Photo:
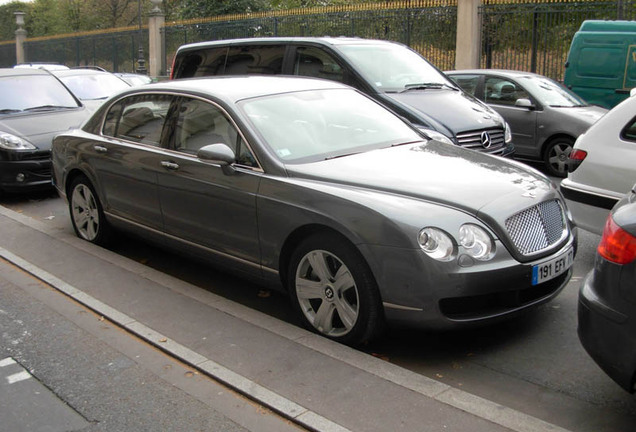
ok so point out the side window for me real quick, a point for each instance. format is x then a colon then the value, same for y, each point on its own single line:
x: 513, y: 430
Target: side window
x: 200, y: 123
x: 138, y: 118
x: 314, y: 62
x: 629, y: 133
x: 468, y: 83
x: 263, y: 60
x: 503, y: 92
x: 203, y: 62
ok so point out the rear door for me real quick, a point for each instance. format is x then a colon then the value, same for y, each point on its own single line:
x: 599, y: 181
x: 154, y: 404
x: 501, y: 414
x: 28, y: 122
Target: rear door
x: 127, y: 160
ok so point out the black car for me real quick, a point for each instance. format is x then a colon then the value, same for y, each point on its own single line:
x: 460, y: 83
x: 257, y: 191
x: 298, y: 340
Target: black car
x: 607, y: 300
x: 34, y: 107
x: 391, y: 73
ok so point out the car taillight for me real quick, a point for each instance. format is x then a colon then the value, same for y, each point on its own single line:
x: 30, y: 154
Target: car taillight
x: 574, y: 160
x: 617, y: 245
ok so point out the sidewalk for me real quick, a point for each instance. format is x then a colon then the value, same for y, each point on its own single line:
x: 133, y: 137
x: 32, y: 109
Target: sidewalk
x: 318, y: 384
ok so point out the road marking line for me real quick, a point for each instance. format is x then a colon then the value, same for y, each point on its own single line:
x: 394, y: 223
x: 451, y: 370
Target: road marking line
x: 7, y: 362
x: 20, y: 376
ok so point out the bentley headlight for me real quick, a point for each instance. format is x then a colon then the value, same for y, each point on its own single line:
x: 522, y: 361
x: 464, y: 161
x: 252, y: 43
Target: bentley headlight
x: 11, y: 142
x: 507, y: 133
x: 476, y: 241
x: 436, y: 243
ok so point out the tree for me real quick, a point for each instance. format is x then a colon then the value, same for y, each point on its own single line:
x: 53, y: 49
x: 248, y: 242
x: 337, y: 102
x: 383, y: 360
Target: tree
x: 210, y: 8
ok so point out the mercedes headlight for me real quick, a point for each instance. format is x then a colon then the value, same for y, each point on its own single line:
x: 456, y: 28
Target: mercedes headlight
x: 507, y: 133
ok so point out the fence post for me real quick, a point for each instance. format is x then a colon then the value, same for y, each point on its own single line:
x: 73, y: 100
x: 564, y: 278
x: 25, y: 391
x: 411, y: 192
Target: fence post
x: 156, y: 20
x: 467, y: 45
x: 20, y: 38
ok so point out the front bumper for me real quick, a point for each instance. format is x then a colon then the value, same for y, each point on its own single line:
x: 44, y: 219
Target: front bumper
x: 25, y: 175
x: 420, y: 292
x: 606, y: 334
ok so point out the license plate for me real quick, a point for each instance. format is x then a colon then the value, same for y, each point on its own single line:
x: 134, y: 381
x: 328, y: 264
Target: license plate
x: 553, y: 268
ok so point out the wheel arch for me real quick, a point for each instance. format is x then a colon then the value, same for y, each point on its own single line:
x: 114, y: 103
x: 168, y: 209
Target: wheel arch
x: 552, y: 138
x: 297, y: 236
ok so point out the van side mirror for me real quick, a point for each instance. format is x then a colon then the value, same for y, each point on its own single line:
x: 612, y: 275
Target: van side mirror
x: 524, y: 103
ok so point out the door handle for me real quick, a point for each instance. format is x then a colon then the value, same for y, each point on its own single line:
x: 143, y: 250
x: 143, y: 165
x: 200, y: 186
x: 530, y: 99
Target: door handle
x: 169, y: 165
x: 100, y: 149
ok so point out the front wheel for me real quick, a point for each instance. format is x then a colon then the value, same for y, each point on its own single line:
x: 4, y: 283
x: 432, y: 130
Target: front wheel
x: 333, y: 290
x: 556, y: 156
x: 86, y: 211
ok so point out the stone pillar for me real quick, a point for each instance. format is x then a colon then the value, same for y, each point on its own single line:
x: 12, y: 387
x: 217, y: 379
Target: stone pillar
x: 156, y: 20
x: 468, y: 44
x: 20, y: 38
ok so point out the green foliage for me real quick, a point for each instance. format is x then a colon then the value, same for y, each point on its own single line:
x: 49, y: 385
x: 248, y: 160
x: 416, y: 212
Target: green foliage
x: 7, y: 19
x: 210, y: 8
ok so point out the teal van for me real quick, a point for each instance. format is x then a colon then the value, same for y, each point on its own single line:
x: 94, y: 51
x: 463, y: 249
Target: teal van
x: 601, y: 65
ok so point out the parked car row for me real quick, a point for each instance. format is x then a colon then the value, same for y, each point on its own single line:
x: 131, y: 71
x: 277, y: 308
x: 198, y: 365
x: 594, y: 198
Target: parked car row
x: 372, y: 195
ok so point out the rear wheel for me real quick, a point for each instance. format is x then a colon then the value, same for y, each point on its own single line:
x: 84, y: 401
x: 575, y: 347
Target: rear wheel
x: 87, y: 214
x: 556, y: 156
x: 333, y: 290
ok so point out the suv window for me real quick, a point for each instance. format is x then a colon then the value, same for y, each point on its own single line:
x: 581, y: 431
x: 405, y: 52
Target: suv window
x: 138, y: 118
x: 314, y: 62
x: 204, y: 62
x: 254, y: 59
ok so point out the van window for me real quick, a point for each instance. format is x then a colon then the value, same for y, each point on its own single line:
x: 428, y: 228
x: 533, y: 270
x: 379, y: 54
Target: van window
x: 204, y: 62
x: 314, y: 62
x: 503, y: 92
x: 255, y: 59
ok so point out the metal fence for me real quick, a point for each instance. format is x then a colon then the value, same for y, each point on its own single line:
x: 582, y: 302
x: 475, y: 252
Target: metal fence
x: 536, y: 36
x: 529, y: 35
x: 427, y: 26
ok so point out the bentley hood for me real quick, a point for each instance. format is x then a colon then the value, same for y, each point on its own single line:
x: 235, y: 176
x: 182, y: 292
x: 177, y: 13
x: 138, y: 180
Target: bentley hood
x: 488, y: 187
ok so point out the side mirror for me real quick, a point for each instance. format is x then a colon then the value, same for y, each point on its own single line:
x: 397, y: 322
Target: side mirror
x: 219, y: 154
x: 524, y: 103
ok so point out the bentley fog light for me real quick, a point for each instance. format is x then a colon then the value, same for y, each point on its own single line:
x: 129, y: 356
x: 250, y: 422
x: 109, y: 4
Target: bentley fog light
x: 436, y: 243
x: 12, y: 142
x: 476, y: 241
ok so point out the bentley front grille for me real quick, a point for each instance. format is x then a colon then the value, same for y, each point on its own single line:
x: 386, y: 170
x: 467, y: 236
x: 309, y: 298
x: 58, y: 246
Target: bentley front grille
x: 537, y: 228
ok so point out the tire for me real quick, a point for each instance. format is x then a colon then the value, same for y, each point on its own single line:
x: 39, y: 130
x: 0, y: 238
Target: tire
x: 87, y: 214
x: 556, y: 156
x: 333, y: 290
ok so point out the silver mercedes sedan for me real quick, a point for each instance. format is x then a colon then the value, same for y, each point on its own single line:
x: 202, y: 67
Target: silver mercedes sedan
x: 313, y: 188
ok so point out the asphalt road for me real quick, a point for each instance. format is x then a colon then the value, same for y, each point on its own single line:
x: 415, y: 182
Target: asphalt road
x: 534, y: 364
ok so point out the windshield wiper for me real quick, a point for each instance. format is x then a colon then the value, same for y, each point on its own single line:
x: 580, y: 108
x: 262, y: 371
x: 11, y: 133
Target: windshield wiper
x: 425, y: 86
x: 47, y: 107
x: 9, y: 110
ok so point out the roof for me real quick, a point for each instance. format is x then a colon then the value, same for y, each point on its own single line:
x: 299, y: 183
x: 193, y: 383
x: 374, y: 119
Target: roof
x: 7, y: 72
x: 502, y: 72
x: 326, y: 40
x: 234, y: 88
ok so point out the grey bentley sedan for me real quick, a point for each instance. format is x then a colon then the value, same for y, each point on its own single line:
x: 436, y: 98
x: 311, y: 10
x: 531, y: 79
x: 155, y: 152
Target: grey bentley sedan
x: 315, y: 189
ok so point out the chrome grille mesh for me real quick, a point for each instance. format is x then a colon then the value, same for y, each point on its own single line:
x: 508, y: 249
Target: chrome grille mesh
x: 537, y: 228
x: 473, y: 140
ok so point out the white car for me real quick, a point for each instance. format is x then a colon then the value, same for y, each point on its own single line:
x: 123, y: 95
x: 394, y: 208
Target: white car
x: 602, y: 167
